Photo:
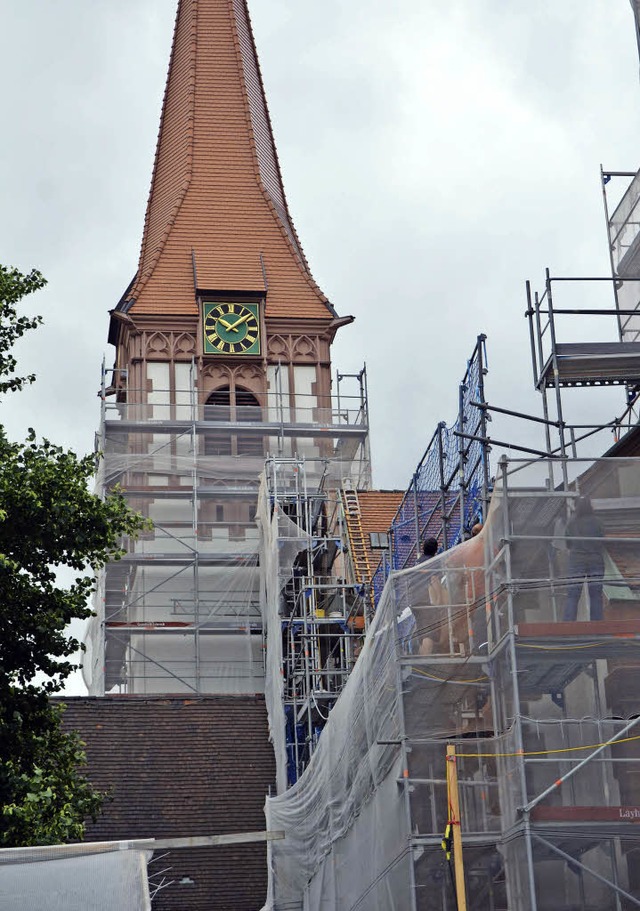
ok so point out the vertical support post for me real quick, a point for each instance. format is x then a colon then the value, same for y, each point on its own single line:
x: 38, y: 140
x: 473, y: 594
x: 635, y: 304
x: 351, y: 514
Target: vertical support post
x: 542, y: 386
x: 482, y: 369
x: 280, y: 408
x: 529, y: 314
x: 545, y: 403
x: 443, y: 492
x: 312, y: 653
x: 405, y: 743
x: 539, y: 332
x: 537, y: 364
x: 193, y: 391
x: 195, y: 513
x: 454, y: 814
x: 556, y: 382
x: 610, y: 248
x: 462, y: 456
x: 365, y: 452
x: 103, y: 406
x: 416, y: 515
x: 572, y: 440
x: 517, y: 716
x: 102, y: 491
x: 362, y: 379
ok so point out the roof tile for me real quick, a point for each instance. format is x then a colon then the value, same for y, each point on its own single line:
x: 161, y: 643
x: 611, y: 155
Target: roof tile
x: 377, y: 509
x: 178, y: 766
x: 216, y: 188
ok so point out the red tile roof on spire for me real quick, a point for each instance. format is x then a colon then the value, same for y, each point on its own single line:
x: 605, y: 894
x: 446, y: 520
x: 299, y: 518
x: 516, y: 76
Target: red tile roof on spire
x: 216, y: 188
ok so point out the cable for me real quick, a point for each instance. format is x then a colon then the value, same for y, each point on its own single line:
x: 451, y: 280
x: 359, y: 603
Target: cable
x: 588, y: 746
x: 461, y: 680
x: 563, y: 648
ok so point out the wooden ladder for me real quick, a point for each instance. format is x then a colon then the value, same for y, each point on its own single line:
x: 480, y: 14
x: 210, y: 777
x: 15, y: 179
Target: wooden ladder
x: 353, y: 519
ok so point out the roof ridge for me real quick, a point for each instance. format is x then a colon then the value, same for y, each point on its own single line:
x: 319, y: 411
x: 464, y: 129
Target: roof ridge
x: 143, y: 275
x: 216, y: 189
x: 286, y: 225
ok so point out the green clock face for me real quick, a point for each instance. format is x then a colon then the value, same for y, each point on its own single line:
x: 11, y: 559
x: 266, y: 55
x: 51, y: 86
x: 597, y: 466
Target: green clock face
x: 231, y: 329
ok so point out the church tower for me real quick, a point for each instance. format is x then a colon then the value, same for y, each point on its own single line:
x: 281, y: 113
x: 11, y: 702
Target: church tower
x: 222, y: 344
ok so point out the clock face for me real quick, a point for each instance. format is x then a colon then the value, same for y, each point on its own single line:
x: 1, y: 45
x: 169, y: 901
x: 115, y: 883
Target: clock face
x: 231, y: 329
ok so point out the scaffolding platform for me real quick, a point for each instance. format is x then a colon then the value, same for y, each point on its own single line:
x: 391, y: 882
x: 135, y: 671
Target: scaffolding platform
x: 180, y: 559
x: 258, y: 428
x: 588, y: 816
x: 592, y: 364
x: 602, y: 633
x: 180, y: 610
x: 541, y: 714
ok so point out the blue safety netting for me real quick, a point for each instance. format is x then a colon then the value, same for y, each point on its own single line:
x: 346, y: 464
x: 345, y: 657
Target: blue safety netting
x: 449, y: 489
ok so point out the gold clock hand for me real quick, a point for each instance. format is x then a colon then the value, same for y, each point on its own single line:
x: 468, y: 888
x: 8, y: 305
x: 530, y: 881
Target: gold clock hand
x: 239, y: 322
x: 227, y: 325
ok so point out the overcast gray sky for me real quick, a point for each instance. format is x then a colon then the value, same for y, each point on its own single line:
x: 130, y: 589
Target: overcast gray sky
x: 435, y: 155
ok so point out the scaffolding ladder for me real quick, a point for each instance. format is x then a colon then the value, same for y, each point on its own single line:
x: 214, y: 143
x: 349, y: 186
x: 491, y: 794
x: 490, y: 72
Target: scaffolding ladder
x: 357, y: 544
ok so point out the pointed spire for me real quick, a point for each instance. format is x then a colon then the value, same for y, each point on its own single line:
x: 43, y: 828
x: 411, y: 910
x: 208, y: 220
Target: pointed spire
x: 217, y: 214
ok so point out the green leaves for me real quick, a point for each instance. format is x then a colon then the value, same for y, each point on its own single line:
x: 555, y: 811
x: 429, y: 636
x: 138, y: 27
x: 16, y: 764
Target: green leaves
x: 54, y: 535
x: 13, y: 287
x: 47, y: 801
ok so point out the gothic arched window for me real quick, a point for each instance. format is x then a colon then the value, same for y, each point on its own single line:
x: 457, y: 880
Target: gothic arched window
x: 237, y: 406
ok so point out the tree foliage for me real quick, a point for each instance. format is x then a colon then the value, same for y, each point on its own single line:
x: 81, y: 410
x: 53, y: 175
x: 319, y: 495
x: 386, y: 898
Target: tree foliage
x: 47, y: 799
x: 49, y: 521
x: 13, y: 287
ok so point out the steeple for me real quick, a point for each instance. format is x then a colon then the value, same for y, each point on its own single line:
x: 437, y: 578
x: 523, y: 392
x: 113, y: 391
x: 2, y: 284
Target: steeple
x: 217, y: 218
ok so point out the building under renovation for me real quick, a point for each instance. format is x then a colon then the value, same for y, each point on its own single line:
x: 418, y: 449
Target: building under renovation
x: 278, y: 631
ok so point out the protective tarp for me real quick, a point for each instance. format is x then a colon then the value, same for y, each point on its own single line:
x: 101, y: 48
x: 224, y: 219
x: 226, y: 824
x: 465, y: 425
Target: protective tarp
x: 520, y: 648
x: 624, y: 239
x: 80, y: 882
x: 329, y: 816
x: 180, y: 612
x: 281, y: 541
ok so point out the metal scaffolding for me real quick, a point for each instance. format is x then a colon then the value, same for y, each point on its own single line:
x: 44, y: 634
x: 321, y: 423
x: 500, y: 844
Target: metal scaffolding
x: 315, y: 607
x: 540, y: 706
x: 515, y: 653
x: 558, y: 364
x: 180, y: 612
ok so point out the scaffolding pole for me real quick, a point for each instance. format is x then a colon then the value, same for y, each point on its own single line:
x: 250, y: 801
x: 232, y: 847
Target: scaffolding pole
x: 455, y: 822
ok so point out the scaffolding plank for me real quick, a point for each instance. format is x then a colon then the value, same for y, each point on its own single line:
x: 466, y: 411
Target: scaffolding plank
x: 586, y: 814
x: 185, y: 492
x: 598, y: 363
x: 249, y: 560
x: 262, y: 428
x: 591, y: 629
x: 162, y: 628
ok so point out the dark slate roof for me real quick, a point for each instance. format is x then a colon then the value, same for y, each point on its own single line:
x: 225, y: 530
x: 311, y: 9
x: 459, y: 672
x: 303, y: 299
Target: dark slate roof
x: 628, y: 446
x: 183, y: 766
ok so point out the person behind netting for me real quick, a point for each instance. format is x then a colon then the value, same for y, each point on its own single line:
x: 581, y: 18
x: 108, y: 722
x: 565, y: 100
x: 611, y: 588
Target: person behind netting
x: 584, y: 533
x: 406, y: 619
x: 427, y: 640
x: 429, y: 549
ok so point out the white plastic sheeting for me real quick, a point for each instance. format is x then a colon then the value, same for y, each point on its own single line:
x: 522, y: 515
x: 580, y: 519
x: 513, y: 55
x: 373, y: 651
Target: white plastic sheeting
x: 499, y: 647
x: 333, y: 826
x: 40, y: 880
x: 180, y: 611
x: 281, y: 541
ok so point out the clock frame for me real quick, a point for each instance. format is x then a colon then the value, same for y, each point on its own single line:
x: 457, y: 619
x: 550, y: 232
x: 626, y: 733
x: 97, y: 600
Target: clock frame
x: 231, y: 329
